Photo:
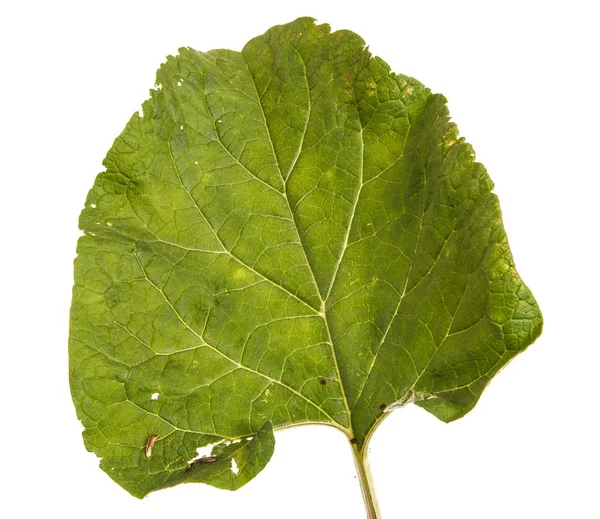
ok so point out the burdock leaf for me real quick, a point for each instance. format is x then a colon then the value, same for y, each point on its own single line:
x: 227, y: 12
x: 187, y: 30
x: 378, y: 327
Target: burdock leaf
x: 289, y: 234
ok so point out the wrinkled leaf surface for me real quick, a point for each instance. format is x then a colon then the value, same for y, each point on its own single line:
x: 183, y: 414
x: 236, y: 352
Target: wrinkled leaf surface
x: 289, y: 234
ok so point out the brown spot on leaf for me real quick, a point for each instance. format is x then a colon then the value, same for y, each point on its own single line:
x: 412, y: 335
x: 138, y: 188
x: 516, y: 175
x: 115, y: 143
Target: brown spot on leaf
x: 150, y: 444
x: 203, y: 459
x: 323, y: 382
x: 353, y: 441
x: 382, y: 406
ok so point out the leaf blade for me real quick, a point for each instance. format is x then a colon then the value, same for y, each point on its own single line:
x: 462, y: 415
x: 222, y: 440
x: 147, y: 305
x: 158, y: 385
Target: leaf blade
x: 290, y: 234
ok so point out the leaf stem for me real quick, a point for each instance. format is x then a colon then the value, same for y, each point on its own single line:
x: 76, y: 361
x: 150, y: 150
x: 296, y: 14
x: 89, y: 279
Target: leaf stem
x: 366, y: 481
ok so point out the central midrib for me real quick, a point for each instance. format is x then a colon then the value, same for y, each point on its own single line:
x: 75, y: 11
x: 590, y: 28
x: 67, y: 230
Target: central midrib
x: 322, y: 313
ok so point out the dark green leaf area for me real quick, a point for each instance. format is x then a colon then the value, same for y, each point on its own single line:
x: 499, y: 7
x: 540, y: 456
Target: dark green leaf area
x: 288, y: 234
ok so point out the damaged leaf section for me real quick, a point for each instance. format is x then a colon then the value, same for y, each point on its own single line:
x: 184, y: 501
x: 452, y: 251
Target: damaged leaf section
x: 405, y: 400
x: 231, y: 464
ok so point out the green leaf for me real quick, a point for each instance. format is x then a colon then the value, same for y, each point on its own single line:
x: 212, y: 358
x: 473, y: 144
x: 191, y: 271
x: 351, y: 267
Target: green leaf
x: 289, y: 234
x: 249, y: 455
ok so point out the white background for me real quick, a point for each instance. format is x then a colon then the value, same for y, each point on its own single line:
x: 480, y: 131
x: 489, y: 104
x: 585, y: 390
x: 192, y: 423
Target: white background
x: 522, y: 83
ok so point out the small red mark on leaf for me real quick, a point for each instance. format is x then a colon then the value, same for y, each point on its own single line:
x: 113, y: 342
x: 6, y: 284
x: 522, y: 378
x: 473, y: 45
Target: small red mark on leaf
x: 203, y: 459
x: 353, y: 441
x: 150, y: 444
